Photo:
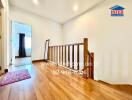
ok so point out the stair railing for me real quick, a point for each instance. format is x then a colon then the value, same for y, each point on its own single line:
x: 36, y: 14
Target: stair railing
x: 61, y: 55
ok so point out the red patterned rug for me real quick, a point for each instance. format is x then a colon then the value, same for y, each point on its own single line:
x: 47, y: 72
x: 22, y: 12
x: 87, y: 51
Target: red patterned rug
x: 15, y: 76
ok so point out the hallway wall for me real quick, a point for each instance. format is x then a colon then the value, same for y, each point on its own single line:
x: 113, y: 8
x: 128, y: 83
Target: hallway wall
x: 5, y: 33
x: 0, y: 39
x: 42, y: 29
x: 109, y: 37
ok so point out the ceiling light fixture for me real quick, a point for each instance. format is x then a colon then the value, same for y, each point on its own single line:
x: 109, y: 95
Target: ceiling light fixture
x: 36, y: 2
x: 75, y: 7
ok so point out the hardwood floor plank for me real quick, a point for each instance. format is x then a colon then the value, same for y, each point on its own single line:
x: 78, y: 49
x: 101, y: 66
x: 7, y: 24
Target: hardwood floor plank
x: 49, y: 82
x: 14, y: 92
x: 4, y: 92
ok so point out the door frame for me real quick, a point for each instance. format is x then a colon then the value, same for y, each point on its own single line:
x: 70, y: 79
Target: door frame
x: 11, y: 38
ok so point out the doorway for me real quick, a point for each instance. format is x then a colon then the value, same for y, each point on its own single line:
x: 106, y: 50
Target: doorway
x: 21, y: 44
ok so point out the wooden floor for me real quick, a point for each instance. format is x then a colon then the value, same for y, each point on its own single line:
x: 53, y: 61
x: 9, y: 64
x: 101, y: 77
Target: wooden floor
x: 55, y: 83
x: 121, y: 87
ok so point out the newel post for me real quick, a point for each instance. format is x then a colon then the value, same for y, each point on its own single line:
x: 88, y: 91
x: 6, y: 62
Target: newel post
x: 85, y: 69
x: 92, y: 66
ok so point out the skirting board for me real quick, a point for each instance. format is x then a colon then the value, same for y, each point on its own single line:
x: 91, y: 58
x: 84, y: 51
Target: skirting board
x: 38, y: 60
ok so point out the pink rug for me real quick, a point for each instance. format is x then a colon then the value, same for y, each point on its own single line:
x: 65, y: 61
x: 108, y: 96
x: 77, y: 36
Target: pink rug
x: 15, y: 76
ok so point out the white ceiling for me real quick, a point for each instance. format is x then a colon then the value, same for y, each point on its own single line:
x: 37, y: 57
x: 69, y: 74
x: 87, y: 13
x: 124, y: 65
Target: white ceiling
x: 57, y: 10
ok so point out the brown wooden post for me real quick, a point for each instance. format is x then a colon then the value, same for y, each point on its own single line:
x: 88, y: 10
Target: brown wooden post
x: 65, y: 55
x: 91, y: 67
x: 78, y: 57
x: 72, y: 56
x: 55, y: 54
x: 51, y: 53
x: 62, y: 55
x: 85, y: 69
x: 59, y: 54
x: 68, y: 56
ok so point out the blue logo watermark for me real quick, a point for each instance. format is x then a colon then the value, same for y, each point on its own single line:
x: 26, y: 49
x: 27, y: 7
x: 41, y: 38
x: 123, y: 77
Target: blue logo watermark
x: 117, y: 10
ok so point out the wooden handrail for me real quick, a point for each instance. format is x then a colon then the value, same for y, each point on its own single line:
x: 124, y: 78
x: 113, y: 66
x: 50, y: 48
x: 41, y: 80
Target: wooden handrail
x: 90, y: 54
x: 67, y: 45
x: 62, y: 55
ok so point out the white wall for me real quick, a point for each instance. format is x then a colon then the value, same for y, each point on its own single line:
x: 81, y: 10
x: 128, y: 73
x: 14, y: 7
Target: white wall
x: 0, y: 40
x: 42, y: 29
x: 110, y: 39
x: 5, y: 33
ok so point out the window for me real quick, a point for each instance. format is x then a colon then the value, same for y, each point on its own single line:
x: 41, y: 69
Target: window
x: 28, y: 42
